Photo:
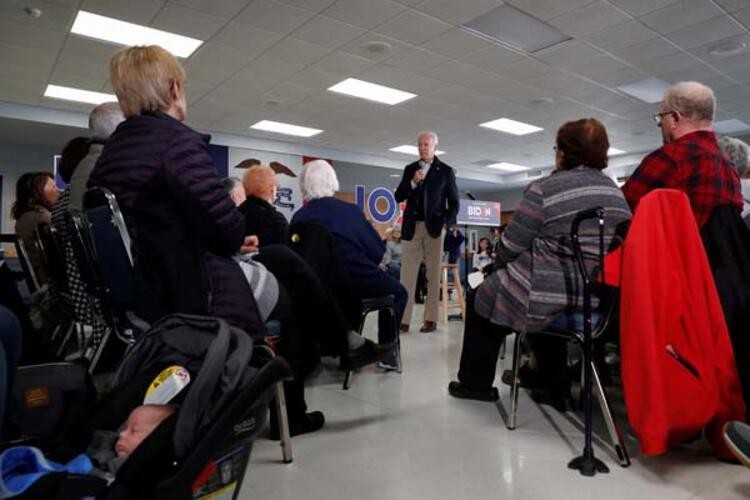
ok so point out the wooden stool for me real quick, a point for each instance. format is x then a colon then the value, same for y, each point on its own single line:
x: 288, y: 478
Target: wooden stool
x: 447, y: 303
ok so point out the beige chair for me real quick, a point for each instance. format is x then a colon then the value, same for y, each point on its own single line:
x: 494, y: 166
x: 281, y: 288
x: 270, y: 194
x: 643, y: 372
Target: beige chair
x: 458, y: 301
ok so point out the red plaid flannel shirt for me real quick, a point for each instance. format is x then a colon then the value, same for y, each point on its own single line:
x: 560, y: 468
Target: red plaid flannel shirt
x: 693, y: 164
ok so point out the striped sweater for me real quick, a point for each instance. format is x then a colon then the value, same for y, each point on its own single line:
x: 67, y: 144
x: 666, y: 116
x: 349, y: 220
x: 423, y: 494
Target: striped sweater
x: 537, y: 276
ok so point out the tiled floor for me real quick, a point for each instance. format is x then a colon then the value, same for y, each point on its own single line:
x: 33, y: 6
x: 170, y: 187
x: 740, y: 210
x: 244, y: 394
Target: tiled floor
x: 396, y: 437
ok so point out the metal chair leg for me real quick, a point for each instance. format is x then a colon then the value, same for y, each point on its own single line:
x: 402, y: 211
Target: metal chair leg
x: 612, y: 428
x: 515, y: 387
x: 347, y: 380
x: 281, y: 415
x: 503, y: 347
x: 66, y: 338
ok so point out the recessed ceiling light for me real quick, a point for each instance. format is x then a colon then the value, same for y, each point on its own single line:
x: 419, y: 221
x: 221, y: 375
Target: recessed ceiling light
x: 78, y: 95
x: 513, y: 27
x: 285, y: 128
x: 614, y: 152
x: 730, y: 126
x: 511, y: 126
x: 378, y: 48
x: 411, y: 150
x: 650, y: 90
x: 508, y: 167
x: 371, y: 91
x: 124, y: 33
x: 730, y: 48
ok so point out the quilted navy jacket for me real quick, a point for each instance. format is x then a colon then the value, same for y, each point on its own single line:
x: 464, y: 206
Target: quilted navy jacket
x: 183, y: 225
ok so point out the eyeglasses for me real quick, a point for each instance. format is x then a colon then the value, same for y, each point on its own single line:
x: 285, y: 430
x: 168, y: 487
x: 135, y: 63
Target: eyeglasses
x: 659, y: 116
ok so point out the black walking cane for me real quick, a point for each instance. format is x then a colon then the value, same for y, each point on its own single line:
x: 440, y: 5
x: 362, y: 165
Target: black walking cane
x: 587, y: 464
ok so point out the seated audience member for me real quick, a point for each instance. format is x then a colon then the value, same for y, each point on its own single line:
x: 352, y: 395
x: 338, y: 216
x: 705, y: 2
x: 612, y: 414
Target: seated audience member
x: 35, y: 194
x: 357, y: 242
x: 261, y: 218
x: 483, y: 257
x: 512, y: 299
x: 103, y: 120
x: 233, y: 186
x: 392, y: 258
x: 690, y: 159
x: 737, y: 151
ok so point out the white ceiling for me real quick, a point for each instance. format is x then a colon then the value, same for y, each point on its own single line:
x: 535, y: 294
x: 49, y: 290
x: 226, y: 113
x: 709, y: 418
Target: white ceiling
x: 274, y: 59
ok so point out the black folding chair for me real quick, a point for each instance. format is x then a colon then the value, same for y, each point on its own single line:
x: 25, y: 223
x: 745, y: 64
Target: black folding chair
x: 53, y: 257
x: 575, y: 332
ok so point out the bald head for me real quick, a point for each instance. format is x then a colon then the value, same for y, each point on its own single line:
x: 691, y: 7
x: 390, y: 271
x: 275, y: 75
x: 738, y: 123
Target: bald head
x: 104, y: 119
x: 692, y: 100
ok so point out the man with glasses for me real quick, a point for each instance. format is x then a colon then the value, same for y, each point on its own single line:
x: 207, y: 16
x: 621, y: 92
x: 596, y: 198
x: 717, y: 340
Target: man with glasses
x: 690, y: 159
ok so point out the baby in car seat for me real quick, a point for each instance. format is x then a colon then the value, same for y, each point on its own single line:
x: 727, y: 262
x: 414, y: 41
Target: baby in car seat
x: 141, y: 422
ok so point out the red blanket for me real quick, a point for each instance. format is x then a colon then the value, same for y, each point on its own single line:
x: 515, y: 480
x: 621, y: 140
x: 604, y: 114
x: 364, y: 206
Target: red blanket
x: 678, y: 369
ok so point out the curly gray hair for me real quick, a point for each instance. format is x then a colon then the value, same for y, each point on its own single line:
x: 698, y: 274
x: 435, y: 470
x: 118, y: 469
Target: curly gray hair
x: 737, y: 151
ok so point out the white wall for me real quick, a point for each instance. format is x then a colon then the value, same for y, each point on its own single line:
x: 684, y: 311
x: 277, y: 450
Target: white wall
x: 16, y: 159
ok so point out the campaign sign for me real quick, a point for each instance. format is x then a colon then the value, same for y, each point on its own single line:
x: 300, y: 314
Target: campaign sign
x: 478, y: 213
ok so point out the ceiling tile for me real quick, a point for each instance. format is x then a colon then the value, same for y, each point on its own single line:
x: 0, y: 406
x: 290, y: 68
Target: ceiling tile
x: 743, y: 16
x: 526, y: 69
x: 273, y: 16
x: 311, y: 5
x: 455, y: 43
x: 680, y: 15
x: 674, y: 62
x: 401, y: 79
x: 621, y: 77
x: 588, y: 19
x: 54, y: 17
x: 313, y: 77
x: 493, y: 58
x: 413, y: 27
x: 84, y: 57
x: 68, y: 79
x: 620, y: 36
x: 296, y: 51
x: 646, y: 51
x: 287, y: 94
x: 328, y: 32
x: 28, y: 35
x: 569, y: 54
x: 364, y: 13
x: 239, y: 36
x: 188, y: 22
x: 343, y: 63
x: 221, y: 8
x: 641, y: 7
x: 135, y: 11
x: 362, y: 46
x: 213, y: 63
x: 416, y: 60
x: 547, y: 9
x: 732, y: 5
x: 716, y: 29
x: 21, y: 91
x: 454, y: 12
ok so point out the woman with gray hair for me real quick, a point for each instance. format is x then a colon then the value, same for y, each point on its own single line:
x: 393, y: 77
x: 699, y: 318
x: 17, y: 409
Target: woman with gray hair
x: 358, y: 245
x: 737, y: 151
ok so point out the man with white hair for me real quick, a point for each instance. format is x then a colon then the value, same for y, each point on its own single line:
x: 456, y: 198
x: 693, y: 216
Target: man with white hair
x: 103, y: 120
x: 690, y: 159
x: 429, y: 188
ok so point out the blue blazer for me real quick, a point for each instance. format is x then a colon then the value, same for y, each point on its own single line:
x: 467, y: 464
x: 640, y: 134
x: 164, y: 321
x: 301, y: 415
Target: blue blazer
x: 357, y: 242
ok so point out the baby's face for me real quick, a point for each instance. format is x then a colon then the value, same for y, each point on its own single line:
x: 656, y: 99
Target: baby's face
x: 141, y: 422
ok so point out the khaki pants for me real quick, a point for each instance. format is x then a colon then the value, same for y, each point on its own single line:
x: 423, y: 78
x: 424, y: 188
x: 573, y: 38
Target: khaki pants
x: 422, y: 247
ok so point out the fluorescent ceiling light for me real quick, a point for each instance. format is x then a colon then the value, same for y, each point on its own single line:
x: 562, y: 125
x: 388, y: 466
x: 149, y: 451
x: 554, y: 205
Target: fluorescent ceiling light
x: 411, y: 150
x: 511, y: 126
x: 730, y: 126
x: 615, y: 152
x: 285, y: 128
x: 508, y: 167
x: 515, y: 28
x: 124, y: 33
x: 395, y: 175
x: 78, y: 95
x: 371, y: 91
x: 650, y: 90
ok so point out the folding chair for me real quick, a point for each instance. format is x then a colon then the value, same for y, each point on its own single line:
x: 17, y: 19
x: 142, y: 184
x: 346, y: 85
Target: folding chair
x: 572, y: 330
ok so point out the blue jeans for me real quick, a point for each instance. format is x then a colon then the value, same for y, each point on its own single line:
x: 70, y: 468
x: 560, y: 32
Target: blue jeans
x: 10, y: 352
x: 394, y: 270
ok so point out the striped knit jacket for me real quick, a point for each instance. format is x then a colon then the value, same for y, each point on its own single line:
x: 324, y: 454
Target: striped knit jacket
x: 537, y: 276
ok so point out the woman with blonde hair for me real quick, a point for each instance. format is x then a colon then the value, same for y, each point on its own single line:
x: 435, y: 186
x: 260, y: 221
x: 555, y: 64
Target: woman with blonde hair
x: 261, y: 217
